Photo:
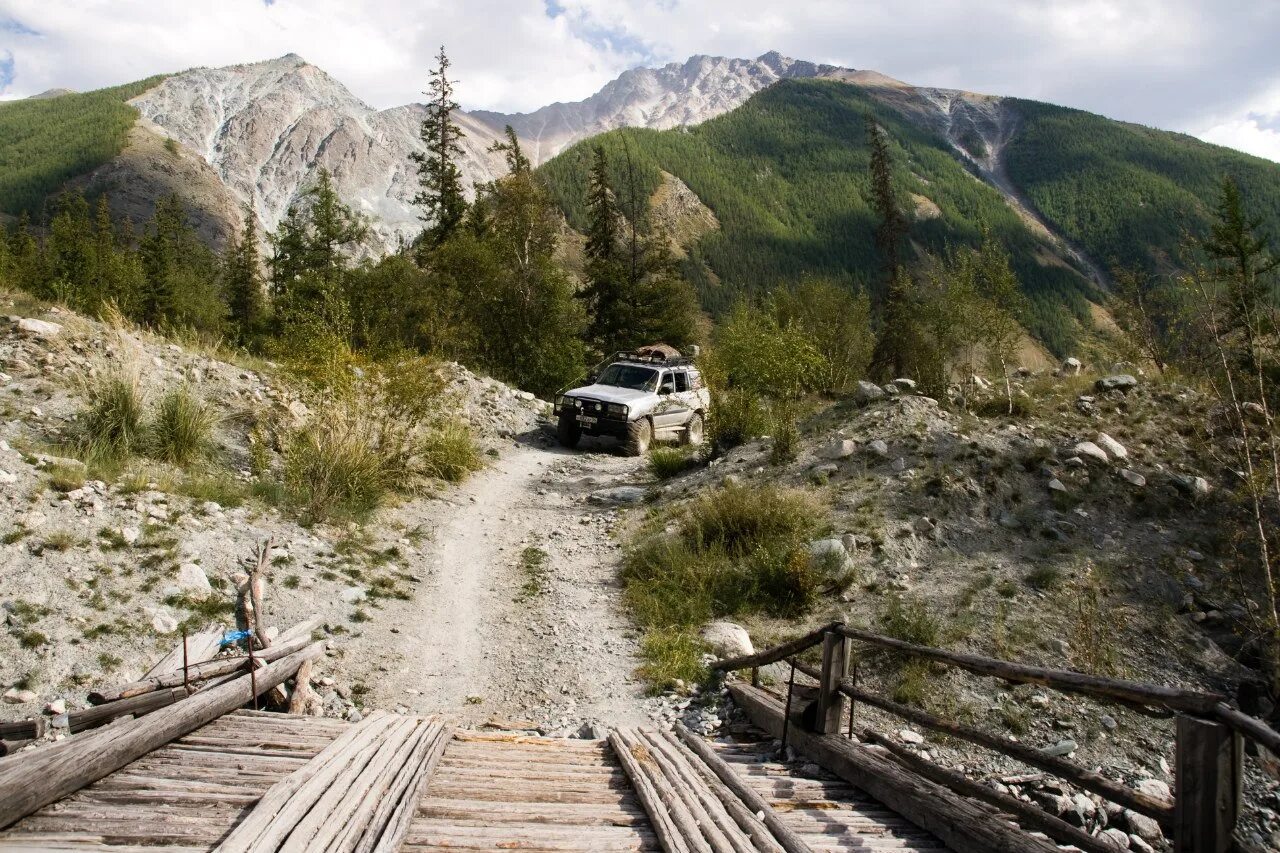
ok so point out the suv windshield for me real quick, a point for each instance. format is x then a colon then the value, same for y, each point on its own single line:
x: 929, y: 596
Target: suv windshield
x: 629, y: 376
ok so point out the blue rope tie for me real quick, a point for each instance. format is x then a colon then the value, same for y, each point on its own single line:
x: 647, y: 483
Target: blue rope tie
x: 234, y: 637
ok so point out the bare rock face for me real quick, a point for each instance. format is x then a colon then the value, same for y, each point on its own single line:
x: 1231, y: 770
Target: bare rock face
x: 267, y: 128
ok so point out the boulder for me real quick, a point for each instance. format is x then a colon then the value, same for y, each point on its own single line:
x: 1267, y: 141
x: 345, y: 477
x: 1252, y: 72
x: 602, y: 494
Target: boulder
x: 1142, y: 826
x: 908, y: 736
x: 14, y: 696
x: 904, y: 384
x: 193, y: 581
x: 618, y: 495
x: 1072, y: 366
x: 727, y: 639
x: 842, y: 449
x: 1091, y: 452
x: 878, y: 448
x: 39, y: 328
x: 867, y: 392
x: 1118, y: 837
x: 164, y: 623
x: 353, y: 594
x: 1117, y: 382
x: 831, y: 554
x: 1061, y: 748
x: 1114, y: 449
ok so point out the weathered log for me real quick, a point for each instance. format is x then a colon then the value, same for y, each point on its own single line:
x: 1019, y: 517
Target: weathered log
x: 78, y: 721
x: 1250, y: 727
x: 289, y: 800
x: 775, y: 654
x: 1173, y: 698
x: 1117, y: 792
x: 305, y: 701
x: 791, y: 842
x: 663, y: 825
x: 684, y: 820
x: 686, y: 765
x: 199, y: 672
x: 1027, y: 814
x: 34, y: 779
x: 396, y: 812
x: 957, y: 822
x: 257, y: 578
x: 696, y: 799
x: 200, y: 647
x: 24, y: 729
x: 9, y: 747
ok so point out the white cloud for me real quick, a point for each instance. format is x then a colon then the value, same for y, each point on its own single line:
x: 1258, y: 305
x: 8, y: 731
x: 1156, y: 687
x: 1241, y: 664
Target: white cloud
x: 1168, y: 63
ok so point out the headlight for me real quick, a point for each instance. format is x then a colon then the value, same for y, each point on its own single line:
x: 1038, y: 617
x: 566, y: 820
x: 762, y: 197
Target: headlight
x: 560, y: 400
x: 577, y: 402
x: 618, y: 409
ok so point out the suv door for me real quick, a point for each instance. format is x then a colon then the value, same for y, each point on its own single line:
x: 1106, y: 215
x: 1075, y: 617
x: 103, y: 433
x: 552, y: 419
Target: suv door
x: 668, y: 412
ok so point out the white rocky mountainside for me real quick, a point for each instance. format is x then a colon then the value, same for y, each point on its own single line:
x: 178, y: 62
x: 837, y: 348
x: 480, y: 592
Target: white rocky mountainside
x: 267, y: 127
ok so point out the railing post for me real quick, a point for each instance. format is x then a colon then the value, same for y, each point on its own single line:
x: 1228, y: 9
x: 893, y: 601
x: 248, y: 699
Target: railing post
x: 1208, y: 781
x: 835, y: 667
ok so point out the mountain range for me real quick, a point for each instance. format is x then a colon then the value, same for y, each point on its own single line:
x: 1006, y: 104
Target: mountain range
x: 764, y: 158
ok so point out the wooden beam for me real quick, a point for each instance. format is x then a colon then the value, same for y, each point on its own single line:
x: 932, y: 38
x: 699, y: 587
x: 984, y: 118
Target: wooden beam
x: 78, y: 721
x: 835, y: 668
x: 1250, y: 727
x: 791, y: 842
x: 1027, y: 814
x: 776, y: 653
x: 200, y: 647
x: 1208, y: 785
x: 957, y: 822
x: 33, y: 779
x: 24, y: 729
x: 1059, y: 679
x: 663, y: 825
x: 1117, y: 792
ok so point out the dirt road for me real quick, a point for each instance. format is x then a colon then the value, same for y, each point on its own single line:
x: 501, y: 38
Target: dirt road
x: 498, y: 631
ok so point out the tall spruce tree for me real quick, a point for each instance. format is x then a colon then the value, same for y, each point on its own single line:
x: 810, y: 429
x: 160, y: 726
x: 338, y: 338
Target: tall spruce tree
x: 441, y: 194
x: 242, y: 273
x: 891, y: 356
x: 603, y: 294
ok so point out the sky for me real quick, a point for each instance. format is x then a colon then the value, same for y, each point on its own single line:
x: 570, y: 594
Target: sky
x: 1210, y: 68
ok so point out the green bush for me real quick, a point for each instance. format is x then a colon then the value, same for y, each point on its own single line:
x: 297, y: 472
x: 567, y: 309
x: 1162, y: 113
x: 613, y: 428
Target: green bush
x: 113, y: 424
x: 182, y: 430
x: 738, y: 551
x: 668, y: 462
x: 737, y: 416
x: 333, y: 469
x: 449, y: 453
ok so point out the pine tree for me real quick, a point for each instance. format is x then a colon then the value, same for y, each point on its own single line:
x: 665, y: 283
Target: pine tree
x: 603, y: 293
x: 441, y: 195
x: 333, y: 226
x: 288, y: 259
x: 891, y: 357
x: 69, y: 254
x: 243, y: 279
x: 517, y: 162
x: 1240, y: 254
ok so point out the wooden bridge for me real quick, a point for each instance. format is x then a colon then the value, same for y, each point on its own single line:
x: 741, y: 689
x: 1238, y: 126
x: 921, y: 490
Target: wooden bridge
x: 203, y: 773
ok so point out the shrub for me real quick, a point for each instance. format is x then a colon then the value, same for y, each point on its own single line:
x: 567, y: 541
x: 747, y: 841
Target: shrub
x: 668, y: 462
x: 333, y: 468
x: 112, y: 426
x: 737, y: 416
x: 1044, y: 577
x: 449, y: 453
x: 66, y: 478
x: 786, y: 437
x: 740, y: 519
x: 671, y: 655
x: 909, y: 619
x: 183, y: 427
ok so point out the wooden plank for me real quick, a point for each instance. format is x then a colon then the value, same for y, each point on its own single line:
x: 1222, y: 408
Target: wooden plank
x: 396, y: 812
x: 1209, y: 776
x: 1117, y: 792
x: 32, y: 729
x: 100, y: 715
x: 664, y: 824
x: 1068, y: 681
x: 783, y: 834
x: 955, y: 821
x: 835, y: 668
x: 36, y: 778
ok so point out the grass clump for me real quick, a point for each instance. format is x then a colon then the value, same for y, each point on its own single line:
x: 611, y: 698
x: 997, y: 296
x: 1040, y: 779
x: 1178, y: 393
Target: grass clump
x: 113, y: 425
x: 668, y: 462
x: 533, y: 565
x: 671, y: 655
x: 66, y: 478
x: 182, y: 429
x: 449, y: 453
x: 334, y: 469
x: 738, y: 551
x: 1044, y: 578
x: 31, y: 639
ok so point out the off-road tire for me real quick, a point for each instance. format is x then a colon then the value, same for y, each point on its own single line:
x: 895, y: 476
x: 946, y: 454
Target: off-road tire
x: 695, y: 431
x: 639, y: 437
x: 568, y: 431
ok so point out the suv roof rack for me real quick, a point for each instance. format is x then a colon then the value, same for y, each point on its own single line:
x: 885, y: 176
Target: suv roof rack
x: 650, y: 357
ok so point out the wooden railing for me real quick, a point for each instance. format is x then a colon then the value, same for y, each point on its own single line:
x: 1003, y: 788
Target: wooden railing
x: 1209, y: 736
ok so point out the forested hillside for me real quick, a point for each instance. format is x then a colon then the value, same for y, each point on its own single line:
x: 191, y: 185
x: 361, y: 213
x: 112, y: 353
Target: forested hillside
x: 47, y: 141
x: 1129, y: 194
x: 787, y: 176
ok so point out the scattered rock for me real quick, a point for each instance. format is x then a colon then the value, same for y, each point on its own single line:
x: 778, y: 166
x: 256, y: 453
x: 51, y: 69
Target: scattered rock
x: 14, y: 696
x: 164, y: 623
x: 1056, y: 485
x: 1145, y: 828
x: 908, y: 736
x: 1117, y: 382
x: 1072, y: 366
x: 1091, y: 452
x: 1114, y: 449
x: 618, y: 495
x: 878, y: 448
x: 57, y: 706
x: 1061, y: 748
x: 867, y: 392
x: 842, y: 449
x: 353, y: 594
x: 1133, y: 477
x: 904, y: 384
x: 193, y: 581
x: 39, y: 328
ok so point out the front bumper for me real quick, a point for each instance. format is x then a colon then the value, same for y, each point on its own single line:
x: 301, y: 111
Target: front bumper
x: 595, y: 419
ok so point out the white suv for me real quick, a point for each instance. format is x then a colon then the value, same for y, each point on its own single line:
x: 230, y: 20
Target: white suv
x: 639, y: 398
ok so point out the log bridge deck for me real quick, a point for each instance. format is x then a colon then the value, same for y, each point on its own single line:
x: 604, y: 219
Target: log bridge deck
x: 201, y: 773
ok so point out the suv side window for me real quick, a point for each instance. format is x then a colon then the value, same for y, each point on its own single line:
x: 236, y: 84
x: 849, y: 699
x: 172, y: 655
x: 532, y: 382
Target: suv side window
x: 682, y: 381
x: 666, y: 382
x: 695, y: 380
